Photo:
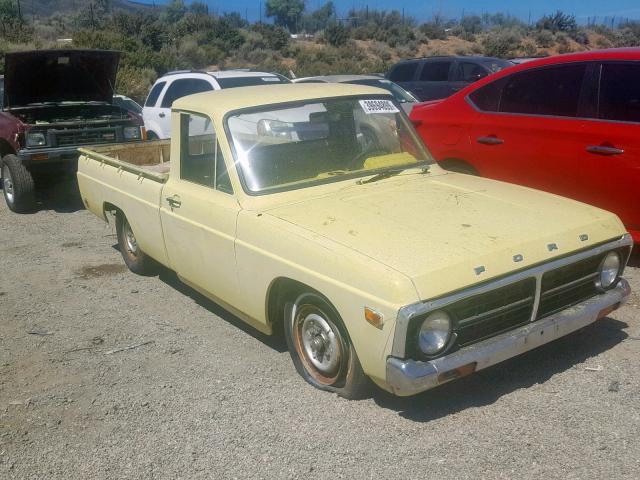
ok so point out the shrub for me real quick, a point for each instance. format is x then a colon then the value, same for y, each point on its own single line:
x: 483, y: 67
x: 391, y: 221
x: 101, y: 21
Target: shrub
x: 433, y: 31
x: 544, y: 39
x: 275, y: 38
x: 336, y: 35
x: 135, y: 82
x: 558, y: 22
x: 501, y: 43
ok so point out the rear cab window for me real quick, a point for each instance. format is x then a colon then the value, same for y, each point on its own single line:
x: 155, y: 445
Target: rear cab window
x: 403, y: 72
x: 152, y: 99
x: 201, y: 159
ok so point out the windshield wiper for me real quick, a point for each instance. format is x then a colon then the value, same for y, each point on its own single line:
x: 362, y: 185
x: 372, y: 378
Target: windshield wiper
x: 389, y: 173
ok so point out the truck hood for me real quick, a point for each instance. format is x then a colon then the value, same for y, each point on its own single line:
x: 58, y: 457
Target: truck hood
x: 449, y: 231
x: 59, y: 76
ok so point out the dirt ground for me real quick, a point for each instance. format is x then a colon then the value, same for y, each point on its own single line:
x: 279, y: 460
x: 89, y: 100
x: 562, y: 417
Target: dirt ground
x: 202, y: 396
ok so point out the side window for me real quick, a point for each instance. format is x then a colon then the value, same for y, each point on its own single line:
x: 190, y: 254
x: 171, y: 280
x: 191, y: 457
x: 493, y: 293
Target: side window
x: 201, y: 160
x: 183, y: 87
x: 152, y: 99
x: 620, y: 92
x: 470, y: 72
x: 403, y: 72
x: 546, y: 91
x: 435, y: 71
x: 487, y: 98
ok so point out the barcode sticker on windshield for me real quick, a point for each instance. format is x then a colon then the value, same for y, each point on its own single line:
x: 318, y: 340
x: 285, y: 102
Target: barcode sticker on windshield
x: 378, y: 106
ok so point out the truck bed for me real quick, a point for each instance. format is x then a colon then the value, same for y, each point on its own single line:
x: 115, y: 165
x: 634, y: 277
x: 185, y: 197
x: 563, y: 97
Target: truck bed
x: 140, y: 158
x: 128, y: 177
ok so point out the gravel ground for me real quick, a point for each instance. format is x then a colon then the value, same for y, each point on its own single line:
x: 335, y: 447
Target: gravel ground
x: 203, y: 396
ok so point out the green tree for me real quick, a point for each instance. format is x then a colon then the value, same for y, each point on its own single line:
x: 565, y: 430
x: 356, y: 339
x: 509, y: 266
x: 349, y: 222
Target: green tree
x: 286, y: 13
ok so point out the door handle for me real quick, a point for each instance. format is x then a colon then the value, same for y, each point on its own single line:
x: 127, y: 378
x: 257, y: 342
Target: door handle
x: 604, y: 150
x: 161, y: 115
x: 174, y: 202
x: 490, y: 140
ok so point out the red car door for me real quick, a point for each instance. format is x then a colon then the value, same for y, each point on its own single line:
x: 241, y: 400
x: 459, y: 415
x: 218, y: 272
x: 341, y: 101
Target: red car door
x: 528, y: 131
x: 611, y: 147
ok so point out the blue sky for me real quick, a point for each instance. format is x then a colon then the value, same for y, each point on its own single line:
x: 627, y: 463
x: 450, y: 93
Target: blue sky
x: 424, y: 9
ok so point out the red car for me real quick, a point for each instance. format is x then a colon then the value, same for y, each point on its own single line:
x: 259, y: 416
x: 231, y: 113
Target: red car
x: 568, y: 124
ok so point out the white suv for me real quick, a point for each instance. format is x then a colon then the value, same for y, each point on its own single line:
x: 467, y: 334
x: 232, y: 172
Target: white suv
x: 168, y: 88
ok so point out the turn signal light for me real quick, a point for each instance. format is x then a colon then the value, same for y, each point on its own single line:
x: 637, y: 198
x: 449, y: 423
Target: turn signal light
x: 40, y: 156
x: 459, y: 372
x: 373, y: 317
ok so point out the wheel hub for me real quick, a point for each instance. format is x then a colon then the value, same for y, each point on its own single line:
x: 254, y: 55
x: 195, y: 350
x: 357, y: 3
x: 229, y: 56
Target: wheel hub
x: 130, y: 239
x: 7, y: 184
x: 320, y: 344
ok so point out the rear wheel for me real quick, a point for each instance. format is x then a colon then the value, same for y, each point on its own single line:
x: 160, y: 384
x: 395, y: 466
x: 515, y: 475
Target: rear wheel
x: 17, y: 185
x: 321, y: 350
x: 135, y: 259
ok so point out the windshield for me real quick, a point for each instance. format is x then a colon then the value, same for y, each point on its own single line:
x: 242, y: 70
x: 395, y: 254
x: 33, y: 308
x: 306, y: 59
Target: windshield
x: 399, y: 93
x: 320, y: 141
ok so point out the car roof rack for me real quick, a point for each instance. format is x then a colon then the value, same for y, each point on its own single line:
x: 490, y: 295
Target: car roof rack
x: 178, y: 72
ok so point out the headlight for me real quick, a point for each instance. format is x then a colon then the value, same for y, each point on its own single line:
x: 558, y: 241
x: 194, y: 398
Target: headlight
x: 131, y: 133
x: 434, y: 333
x: 609, y: 270
x: 36, y: 139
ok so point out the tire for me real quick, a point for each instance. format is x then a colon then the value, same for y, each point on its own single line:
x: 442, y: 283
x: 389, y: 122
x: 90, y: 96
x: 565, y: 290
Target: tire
x: 17, y: 185
x: 151, y: 136
x: 135, y: 259
x: 321, y: 350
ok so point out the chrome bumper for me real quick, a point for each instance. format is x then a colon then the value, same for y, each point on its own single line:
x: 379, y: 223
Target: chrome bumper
x: 408, y: 377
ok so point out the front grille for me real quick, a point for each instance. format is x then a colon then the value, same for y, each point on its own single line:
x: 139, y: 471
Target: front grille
x: 499, y: 309
x: 491, y: 313
x: 71, y: 137
x: 568, y: 285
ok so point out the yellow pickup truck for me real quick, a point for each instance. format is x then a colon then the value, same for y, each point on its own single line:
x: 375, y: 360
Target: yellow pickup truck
x: 316, y: 211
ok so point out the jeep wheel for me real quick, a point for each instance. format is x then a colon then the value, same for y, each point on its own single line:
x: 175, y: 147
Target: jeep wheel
x: 135, y: 259
x: 321, y: 350
x: 17, y: 185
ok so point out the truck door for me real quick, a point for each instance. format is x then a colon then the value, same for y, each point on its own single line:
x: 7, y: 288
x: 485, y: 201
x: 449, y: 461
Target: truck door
x: 199, y: 210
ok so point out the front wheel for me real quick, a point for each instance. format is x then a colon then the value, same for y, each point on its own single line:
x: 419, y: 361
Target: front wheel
x: 17, y: 185
x: 321, y: 350
x: 135, y: 259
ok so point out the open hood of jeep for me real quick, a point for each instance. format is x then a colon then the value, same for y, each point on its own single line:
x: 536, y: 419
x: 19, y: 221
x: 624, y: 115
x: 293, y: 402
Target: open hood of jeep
x: 42, y: 76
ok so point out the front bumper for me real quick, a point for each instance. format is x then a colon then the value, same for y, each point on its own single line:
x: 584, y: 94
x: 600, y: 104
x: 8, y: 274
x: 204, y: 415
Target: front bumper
x: 37, y: 156
x: 408, y: 377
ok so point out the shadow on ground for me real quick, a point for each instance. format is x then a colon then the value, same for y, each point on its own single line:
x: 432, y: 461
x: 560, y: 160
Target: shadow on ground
x: 487, y: 386
x: 171, y: 279
x: 60, y: 194
x: 634, y: 260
